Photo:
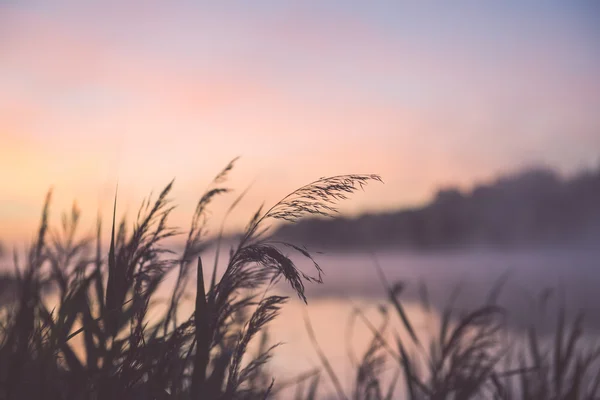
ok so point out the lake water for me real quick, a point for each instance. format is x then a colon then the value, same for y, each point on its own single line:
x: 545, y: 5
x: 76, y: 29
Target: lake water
x: 351, y: 281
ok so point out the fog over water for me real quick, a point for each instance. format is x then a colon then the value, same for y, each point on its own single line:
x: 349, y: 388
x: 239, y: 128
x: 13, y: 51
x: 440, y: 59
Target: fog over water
x: 351, y: 281
x: 573, y: 273
x: 528, y: 273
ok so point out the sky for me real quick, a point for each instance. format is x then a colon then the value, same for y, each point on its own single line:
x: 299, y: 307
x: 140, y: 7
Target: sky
x: 426, y: 94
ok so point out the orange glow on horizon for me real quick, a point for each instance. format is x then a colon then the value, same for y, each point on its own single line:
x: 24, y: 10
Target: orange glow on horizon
x: 94, y: 97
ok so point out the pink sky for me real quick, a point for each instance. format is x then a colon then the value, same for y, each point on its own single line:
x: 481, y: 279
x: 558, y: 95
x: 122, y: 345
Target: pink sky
x: 424, y: 96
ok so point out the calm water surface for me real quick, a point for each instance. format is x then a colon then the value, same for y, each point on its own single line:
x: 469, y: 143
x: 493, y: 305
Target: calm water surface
x: 351, y: 281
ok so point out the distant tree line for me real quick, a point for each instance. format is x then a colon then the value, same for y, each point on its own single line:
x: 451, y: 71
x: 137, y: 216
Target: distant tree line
x: 532, y: 207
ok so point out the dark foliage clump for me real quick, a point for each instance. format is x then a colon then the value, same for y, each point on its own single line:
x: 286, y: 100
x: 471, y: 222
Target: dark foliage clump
x: 534, y: 207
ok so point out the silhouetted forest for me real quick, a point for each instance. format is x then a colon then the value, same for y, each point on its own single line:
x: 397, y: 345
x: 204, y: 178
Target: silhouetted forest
x: 534, y: 207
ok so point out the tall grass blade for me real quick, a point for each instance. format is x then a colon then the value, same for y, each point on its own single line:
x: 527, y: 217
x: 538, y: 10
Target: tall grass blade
x: 202, y: 336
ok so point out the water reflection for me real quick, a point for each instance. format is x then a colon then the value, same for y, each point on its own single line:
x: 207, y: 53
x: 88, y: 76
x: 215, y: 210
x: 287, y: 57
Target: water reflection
x: 351, y: 283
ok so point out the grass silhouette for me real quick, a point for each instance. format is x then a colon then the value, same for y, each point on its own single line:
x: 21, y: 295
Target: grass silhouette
x: 104, y: 300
